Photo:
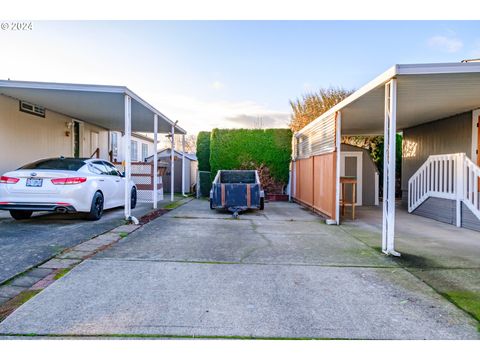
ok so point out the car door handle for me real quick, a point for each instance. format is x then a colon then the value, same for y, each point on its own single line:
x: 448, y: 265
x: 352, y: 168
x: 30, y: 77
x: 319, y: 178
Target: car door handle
x: 101, y: 180
x: 117, y: 180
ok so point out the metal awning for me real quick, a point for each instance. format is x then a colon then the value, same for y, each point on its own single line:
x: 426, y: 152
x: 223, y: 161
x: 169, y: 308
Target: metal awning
x: 425, y: 92
x: 100, y: 105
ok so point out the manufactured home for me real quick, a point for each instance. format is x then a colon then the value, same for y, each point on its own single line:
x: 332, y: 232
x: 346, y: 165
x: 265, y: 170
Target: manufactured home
x: 436, y: 107
x: 40, y: 120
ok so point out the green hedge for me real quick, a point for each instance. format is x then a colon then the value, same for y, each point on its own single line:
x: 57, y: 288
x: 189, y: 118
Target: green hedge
x: 203, y: 150
x: 205, y: 183
x: 233, y: 148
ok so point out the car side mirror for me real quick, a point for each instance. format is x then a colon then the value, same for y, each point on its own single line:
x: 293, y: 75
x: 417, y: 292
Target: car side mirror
x: 122, y: 174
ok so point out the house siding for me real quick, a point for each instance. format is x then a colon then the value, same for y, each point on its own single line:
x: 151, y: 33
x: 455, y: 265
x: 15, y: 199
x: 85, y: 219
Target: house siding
x: 25, y: 138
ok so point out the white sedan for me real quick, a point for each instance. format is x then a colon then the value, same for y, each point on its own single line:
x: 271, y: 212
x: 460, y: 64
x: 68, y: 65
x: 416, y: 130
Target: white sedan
x: 64, y: 185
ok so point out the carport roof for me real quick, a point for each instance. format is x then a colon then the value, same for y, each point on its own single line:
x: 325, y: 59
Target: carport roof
x: 425, y: 92
x: 101, y: 105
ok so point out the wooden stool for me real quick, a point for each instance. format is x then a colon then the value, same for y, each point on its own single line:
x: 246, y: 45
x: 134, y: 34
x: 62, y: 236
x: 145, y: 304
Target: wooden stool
x: 348, y: 180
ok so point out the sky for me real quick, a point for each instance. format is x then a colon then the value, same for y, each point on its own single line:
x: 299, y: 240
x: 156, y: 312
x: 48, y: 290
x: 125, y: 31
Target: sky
x: 227, y: 74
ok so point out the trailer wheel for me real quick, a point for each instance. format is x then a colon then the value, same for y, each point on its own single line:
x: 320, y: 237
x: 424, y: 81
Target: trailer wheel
x: 262, y: 203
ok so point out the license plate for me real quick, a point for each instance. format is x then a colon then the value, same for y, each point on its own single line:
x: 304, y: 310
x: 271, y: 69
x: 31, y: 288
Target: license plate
x: 34, y: 182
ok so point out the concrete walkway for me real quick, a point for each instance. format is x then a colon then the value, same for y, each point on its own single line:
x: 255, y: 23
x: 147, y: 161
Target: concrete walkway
x: 280, y: 273
x: 442, y: 255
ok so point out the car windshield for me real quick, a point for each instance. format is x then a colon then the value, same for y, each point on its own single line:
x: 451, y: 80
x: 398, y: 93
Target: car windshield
x: 55, y: 164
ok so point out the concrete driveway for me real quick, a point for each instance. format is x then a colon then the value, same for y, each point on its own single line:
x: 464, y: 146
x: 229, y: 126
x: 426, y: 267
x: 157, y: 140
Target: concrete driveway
x: 26, y: 243
x: 280, y: 273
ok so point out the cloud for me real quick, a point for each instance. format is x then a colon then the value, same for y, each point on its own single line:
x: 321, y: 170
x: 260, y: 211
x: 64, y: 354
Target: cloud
x: 272, y: 120
x: 217, y: 85
x: 446, y: 44
x: 195, y: 114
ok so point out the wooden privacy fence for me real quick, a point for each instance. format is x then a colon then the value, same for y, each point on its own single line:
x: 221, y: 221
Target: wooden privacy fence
x: 315, y: 166
x: 315, y: 183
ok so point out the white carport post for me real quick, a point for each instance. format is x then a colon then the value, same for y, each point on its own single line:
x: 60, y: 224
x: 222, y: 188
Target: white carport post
x: 338, y: 142
x: 127, y: 155
x: 172, y: 165
x: 155, y: 161
x: 183, y: 165
x: 389, y: 158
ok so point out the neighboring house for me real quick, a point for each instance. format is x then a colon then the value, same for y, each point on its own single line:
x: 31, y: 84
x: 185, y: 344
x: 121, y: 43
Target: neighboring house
x: 191, y: 169
x: 40, y: 120
x: 436, y: 106
x: 141, y: 147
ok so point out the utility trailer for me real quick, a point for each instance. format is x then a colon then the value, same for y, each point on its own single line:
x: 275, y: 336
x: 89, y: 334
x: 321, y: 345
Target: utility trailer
x: 236, y: 191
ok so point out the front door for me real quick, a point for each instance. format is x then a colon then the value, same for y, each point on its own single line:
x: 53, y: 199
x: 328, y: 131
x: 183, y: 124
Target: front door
x: 351, y: 165
x: 76, y: 139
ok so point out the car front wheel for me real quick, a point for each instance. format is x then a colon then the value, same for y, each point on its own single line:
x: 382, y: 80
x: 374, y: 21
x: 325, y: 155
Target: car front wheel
x: 21, y: 214
x: 96, y: 209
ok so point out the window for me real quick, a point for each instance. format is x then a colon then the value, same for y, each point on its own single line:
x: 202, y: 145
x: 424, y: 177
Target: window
x: 114, y: 144
x: 144, y: 151
x: 56, y: 164
x: 134, y: 150
x: 111, y: 169
x: 98, y: 167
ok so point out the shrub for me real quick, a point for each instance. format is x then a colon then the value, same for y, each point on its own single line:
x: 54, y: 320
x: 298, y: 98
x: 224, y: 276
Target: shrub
x: 205, y: 183
x: 203, y: 150
x: 267, y: 150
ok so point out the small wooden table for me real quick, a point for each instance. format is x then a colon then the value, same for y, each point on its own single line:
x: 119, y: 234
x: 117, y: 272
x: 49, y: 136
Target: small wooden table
x: 353, y: 181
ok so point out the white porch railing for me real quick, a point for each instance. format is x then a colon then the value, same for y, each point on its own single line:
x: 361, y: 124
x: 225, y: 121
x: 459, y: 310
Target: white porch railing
x: 471, y: 178
x: 450, y: 176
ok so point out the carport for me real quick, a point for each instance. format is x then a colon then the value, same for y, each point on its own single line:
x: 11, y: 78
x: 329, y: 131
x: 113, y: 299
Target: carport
x: 402, y: 97
x: 110, y: 107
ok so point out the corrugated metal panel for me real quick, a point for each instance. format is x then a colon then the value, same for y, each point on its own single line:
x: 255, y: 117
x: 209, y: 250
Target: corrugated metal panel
x: 318, y: 139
